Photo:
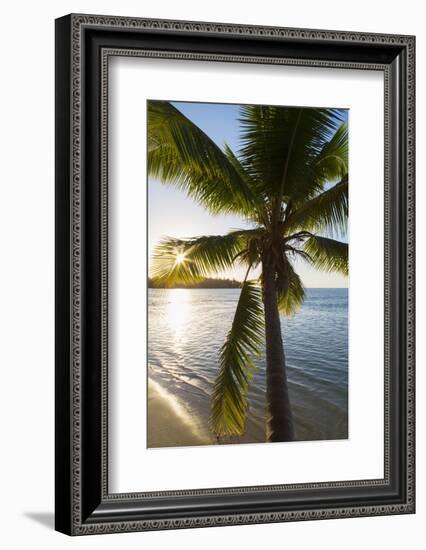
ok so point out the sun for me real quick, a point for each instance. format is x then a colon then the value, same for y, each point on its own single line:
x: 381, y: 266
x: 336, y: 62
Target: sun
x: 180, y: 258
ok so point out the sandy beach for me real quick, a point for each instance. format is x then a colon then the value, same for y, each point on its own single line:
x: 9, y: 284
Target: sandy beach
x: 168, y: 423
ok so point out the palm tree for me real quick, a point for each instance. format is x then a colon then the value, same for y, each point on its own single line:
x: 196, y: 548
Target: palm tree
x: 289, y: 181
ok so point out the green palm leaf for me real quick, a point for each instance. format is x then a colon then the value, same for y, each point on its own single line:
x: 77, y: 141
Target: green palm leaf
x: 183, y: 155
x: 229, y: 399
x: 328, y: 211
x: 284, y: 142
x: 328, y: 254
x: 258, y: 213
x: 332, y: 162
x: 291, y: 298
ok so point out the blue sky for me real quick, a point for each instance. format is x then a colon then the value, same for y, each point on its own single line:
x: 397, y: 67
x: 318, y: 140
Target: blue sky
x: 171, y: 213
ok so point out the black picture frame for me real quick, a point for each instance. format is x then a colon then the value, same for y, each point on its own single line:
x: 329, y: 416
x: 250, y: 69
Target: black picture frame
x: 83, y: 504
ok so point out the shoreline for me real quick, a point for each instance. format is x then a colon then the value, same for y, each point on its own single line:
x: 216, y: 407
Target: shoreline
x: 169, y: 425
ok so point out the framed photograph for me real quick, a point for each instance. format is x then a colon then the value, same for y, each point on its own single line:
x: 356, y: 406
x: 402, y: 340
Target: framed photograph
x: 234, y: 274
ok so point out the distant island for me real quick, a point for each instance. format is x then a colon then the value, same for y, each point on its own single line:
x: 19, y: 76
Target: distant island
x: 205, y: 283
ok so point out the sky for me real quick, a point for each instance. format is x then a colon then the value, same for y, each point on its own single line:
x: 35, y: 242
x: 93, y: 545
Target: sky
x: 171, y: 213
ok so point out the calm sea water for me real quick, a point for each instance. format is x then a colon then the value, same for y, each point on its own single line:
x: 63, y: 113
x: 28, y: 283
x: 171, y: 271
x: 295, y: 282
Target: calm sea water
x: 187, y: 328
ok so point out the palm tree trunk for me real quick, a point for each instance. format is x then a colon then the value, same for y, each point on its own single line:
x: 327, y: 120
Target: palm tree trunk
x: 279, y: 419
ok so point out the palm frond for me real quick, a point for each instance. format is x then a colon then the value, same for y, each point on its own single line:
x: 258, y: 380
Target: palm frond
x: 328, y: 166
x: 328, y: 254
x: 328, y: 211
x: 292, y: 296
x: 229, y: 398
x: 268, y: 136
x: 181, y: 154
x: 184, y: 261
x: 332, y: 162
x: 258, y: 214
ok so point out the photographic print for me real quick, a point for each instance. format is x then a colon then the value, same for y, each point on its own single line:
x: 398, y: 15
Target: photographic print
x: 247, y: 273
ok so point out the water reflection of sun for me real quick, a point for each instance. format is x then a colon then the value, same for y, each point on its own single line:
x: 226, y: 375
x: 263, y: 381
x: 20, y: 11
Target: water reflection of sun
x: 179, y: 310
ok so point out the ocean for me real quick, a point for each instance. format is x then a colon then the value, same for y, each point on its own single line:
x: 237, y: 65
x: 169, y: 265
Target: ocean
x: 186, y: 328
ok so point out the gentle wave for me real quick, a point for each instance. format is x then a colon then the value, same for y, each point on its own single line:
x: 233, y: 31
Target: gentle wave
x: 187, y: 328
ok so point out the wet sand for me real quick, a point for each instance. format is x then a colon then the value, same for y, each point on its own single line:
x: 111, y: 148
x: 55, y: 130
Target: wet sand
x: 169, y: 424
